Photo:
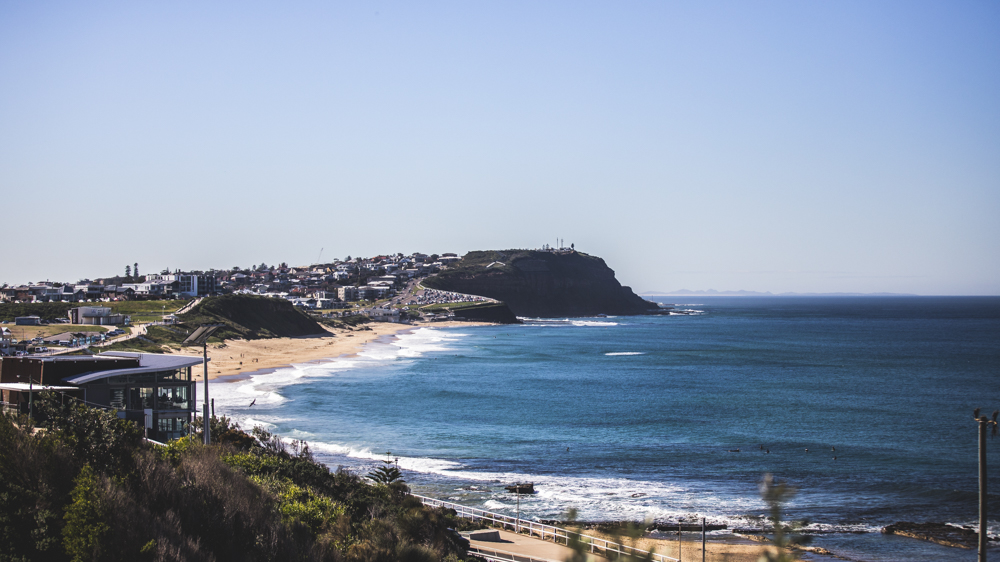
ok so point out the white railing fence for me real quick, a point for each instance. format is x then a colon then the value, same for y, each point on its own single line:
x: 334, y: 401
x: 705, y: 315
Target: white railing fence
x: 558, y: 535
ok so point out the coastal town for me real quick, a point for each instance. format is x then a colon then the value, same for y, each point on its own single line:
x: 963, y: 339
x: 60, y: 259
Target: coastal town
x: 382, y: 288
x: 330, y: 285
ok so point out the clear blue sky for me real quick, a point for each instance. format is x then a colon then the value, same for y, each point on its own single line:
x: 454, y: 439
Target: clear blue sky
x: 768, y: 146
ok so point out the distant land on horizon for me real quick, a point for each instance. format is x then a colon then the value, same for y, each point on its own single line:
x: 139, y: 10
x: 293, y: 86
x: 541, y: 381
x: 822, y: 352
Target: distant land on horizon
x: 714, y: 293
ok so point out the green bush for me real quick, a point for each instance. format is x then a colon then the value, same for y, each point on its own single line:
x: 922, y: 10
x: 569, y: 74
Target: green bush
x: 86, y: 516
x: 90, y: 488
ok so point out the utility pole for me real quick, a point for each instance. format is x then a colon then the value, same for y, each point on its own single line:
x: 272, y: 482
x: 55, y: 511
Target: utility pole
x: 680, y: 530
x: 517, y: 521
x: 31, y: 398
x: 702, y: 539
x: 984, y: 423
x: 200, y: 336
x: 204, y: 416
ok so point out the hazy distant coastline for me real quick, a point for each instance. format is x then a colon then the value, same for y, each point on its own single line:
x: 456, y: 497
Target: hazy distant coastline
x: 714, y: 293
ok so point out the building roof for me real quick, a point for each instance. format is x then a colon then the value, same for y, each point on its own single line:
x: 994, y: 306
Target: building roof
x: 148, y: 363
x: 25, y: 387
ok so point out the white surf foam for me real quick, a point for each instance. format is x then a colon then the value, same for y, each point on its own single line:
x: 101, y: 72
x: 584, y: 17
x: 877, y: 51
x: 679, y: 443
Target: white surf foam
x: 595, y: 498
x: 593, y: 323
x: 265, y: 390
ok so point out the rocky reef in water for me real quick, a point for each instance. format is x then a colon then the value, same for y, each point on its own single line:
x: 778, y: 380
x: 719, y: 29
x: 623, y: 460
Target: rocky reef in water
x: 543, y: 284
x: 940, y: 533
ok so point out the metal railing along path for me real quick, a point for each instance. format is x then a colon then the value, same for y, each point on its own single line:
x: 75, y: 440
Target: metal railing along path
x: 558, y: 535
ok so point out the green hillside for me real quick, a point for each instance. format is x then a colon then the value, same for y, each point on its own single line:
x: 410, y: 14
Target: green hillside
x: 251, y: 317
x: 245, y: 317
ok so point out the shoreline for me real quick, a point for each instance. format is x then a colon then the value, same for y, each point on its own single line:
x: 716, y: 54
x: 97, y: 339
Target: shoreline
x: 229, y: 362
x: 234, y: 360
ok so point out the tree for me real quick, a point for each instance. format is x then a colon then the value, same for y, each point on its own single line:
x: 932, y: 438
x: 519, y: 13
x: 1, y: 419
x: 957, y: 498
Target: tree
x: 97, y: 437
x: 85, y: 518
x: 775, y: 495
x: 128, y: 271
x: 135, y: 268
x: 387, y: 473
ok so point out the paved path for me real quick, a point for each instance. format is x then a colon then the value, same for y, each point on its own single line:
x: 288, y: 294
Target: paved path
x: 189, y: 306
x: 531, y: 546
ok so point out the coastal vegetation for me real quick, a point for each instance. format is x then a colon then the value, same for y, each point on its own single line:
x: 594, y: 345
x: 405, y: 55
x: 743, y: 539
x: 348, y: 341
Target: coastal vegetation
x: 86, y: 486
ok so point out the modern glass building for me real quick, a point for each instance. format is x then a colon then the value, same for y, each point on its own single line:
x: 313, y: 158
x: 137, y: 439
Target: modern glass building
x: 157, y: 391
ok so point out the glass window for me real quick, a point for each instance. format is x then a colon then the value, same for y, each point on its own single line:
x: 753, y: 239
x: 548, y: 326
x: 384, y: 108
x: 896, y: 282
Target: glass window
x: 118, y: 398
x: 172, y: 398
x: 142, y: 398
x: 174, y: 375
x: 170, y: 428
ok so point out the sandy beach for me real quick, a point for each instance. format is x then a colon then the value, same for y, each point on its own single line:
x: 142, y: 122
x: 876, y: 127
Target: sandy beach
x: 733, y: 550
x: 235, y: 357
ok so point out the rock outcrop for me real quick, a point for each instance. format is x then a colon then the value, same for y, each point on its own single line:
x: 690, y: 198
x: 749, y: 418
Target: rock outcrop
x: 940, y: 533
x: 497, y: 313
x: 543, y: 284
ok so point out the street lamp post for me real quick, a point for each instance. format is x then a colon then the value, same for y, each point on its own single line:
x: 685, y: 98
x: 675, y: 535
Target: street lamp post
x: 680, y: 529
x: 31, y: 397
x: 517, y: 520
x: 200, y: 337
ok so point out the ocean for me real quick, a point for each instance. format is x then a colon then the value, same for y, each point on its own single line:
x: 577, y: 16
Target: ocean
x: 864, y: 404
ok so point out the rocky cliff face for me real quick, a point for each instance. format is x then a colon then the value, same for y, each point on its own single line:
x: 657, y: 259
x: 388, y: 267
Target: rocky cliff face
x: 543, y: 284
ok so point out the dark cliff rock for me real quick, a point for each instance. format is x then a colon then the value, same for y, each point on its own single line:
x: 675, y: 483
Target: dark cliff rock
x: 543, y: 284
x: 497, y: 313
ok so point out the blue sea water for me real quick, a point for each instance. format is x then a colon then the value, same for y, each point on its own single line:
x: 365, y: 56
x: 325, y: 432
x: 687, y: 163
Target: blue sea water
x: 863, y: 403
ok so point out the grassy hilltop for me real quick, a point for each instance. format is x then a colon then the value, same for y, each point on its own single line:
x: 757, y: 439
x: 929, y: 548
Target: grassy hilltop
x: 140, y: 311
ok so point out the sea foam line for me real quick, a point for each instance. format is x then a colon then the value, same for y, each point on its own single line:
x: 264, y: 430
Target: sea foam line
x: 265, y: 390
x: 595, y: 498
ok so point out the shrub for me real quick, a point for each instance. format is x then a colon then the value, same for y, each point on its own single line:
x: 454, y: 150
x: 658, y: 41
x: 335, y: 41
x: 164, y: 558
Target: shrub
x: 85, y: 518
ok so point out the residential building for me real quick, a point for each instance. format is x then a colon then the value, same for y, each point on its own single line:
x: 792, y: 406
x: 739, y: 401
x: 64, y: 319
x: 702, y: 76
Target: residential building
x: 154, y: 289
x: 95, y: 316
x: 156, y: 391
x: 347, y: 293
x: 188, y: 284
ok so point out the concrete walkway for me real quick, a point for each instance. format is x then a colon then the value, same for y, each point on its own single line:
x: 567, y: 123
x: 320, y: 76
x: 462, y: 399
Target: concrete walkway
x: 530, y: 546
